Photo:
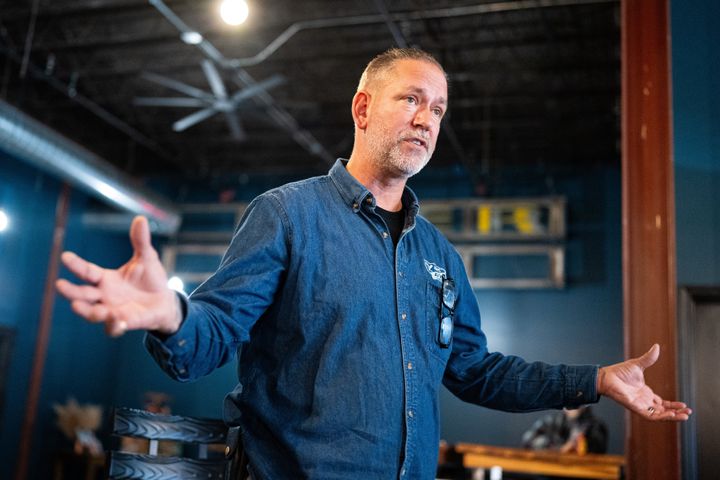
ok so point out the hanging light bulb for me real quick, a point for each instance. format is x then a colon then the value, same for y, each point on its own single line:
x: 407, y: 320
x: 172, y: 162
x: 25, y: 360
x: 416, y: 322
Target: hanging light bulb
x: 4, y: 221
x: 234, y: 12
x: 176, y: 284
x: 191, y: 37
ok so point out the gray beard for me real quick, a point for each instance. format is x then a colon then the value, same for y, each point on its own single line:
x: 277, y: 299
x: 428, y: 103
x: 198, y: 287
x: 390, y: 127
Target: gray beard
x: 390, y: 160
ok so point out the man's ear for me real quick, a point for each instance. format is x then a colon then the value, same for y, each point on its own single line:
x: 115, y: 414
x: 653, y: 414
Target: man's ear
x: 360, y: 104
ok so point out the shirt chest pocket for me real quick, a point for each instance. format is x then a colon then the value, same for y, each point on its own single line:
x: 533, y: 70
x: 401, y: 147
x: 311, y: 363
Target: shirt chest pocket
x: 434, y: 324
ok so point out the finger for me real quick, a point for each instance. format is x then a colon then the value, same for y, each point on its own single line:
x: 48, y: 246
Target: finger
x: 72, y: 292
x: 682, y: 414
x: 674, y: 416
x: 649, y: 357
x: 115, y: 328
x: 667, y: 414
x: 93, y: 313
x: 685, y: 411
x: 63, y: 287
x: 673, y: 405
x: 663, y: 416
x: 86, y: 271
x: 140, y: 237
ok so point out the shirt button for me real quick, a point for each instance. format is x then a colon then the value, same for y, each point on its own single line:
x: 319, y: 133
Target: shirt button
x: 410, y: 366
x: 401, y: 274
x: 385, y: 234
x: 368, y: 200
x: 181, y: 343
x: 579, y: 394
x: 402, y: 472
x: 355, y: 205
x: 410, y: 414
x: 182, y: 371
x: 403, y: 316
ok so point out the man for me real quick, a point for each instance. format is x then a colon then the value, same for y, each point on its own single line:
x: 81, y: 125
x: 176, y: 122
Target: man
x: 576, y: 431
x: 354, y: 309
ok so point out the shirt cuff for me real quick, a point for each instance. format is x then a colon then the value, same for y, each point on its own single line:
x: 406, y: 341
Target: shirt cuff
x: 174, y: 352
x: 581, y: 385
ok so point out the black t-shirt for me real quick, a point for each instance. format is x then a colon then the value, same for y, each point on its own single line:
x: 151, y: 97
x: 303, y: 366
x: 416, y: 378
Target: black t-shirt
x: 395, y: 222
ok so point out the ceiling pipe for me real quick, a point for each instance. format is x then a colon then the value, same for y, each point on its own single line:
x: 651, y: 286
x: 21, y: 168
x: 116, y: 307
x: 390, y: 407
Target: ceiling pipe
x: 91, y: 106
x: 385, y: 17
x: 51, y: 152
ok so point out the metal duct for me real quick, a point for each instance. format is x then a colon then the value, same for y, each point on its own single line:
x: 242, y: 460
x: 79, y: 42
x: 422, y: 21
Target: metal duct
x: 46, y: 149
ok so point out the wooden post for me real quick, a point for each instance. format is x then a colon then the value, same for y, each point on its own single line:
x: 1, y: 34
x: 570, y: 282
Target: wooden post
x: 648, y: 218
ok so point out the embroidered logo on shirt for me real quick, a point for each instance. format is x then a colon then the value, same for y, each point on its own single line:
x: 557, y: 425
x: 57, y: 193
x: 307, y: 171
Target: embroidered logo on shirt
x: 437, y: 273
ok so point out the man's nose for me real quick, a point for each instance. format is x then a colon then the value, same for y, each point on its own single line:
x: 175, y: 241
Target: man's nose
x: 423, y: 118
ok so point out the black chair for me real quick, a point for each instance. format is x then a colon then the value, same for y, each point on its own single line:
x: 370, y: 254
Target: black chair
x: 193, y: 436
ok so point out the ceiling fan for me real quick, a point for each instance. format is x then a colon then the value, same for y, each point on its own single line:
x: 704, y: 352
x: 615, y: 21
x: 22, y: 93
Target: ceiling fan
x: 210, y: 103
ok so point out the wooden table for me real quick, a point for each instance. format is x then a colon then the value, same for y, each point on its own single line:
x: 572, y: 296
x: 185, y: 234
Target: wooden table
x: 91, y: 466
x: 540, y: 462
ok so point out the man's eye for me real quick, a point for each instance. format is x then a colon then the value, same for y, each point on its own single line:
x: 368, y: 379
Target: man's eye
x: 411, y: 100
x: 438, y: 112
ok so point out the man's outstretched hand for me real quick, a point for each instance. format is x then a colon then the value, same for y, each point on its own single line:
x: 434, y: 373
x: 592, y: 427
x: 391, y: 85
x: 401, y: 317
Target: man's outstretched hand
x: 134, y: 296
x: 625, y: 383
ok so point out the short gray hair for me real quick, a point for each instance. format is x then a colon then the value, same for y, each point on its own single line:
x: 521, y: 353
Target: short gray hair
x: 379, y: 65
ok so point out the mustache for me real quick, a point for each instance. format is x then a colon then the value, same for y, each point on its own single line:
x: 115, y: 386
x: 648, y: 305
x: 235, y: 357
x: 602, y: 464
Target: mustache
x: 424, y: 137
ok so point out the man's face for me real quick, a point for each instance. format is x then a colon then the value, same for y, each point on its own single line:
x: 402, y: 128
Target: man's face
x: 407, y: 104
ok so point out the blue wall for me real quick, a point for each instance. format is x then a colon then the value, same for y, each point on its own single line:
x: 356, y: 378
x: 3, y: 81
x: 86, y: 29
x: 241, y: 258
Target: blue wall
x: 80, y: 359
x: 579, y: 324
x: 696, y: 123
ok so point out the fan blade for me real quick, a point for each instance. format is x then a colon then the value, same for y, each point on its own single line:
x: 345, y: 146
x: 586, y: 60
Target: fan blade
x: 176, y: 85
x: 253, y: 89
x: 213, y: 77
x: 169, y: 102
x: 236, y: 129
x: 194, y: 118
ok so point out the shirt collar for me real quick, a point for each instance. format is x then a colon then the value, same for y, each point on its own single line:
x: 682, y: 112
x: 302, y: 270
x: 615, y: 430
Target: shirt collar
x: 356, y: 194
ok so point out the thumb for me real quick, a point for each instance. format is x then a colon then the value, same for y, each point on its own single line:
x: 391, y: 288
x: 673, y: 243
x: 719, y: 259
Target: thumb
x: 649, y: 357
x: 140, y: 236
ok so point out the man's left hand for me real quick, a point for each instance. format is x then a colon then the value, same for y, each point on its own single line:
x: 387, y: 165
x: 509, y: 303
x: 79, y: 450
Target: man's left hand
x: 625, y: 383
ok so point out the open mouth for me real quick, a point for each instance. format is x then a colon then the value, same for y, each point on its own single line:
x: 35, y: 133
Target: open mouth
x: 417, y: 141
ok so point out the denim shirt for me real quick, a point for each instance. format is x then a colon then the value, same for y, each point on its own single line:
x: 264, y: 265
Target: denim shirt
x: 336, y: 329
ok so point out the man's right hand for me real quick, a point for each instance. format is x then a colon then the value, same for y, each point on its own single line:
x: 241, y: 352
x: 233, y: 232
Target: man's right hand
x: 135, y: 296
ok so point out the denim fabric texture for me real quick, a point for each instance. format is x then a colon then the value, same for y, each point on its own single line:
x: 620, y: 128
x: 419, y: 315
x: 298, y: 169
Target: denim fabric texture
x: 336, y: 330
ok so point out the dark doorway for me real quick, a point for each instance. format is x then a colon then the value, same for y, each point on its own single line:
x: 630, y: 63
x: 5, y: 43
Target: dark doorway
x: 699, y: 316
x: 7, y: 336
